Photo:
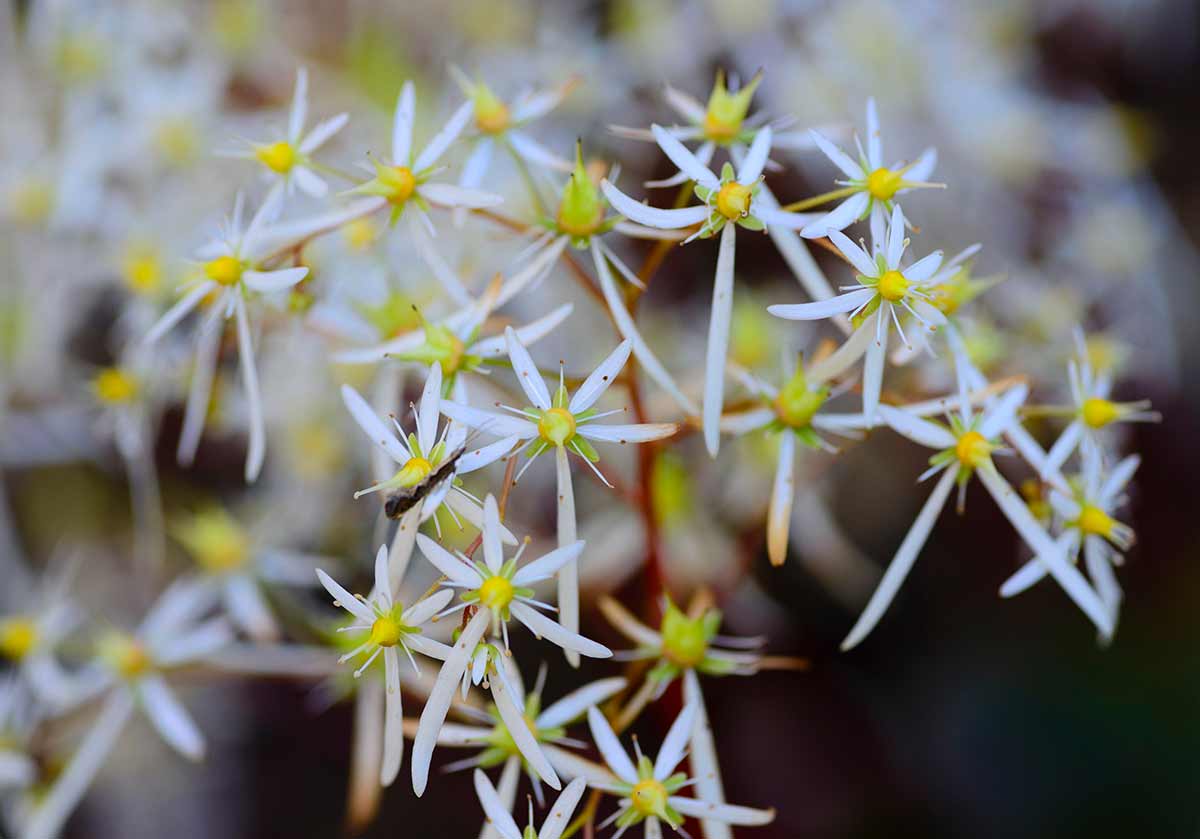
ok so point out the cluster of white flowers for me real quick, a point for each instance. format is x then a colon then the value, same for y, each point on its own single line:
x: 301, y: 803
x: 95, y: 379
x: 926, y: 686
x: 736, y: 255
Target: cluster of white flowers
x: 308, y: 262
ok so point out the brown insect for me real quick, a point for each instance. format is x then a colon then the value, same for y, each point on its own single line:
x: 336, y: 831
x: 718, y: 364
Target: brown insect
x: 402, y: 500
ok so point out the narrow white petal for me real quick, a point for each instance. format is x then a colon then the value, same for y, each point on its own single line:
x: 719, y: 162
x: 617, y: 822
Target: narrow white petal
x: 429, y: 409
x: 575, y: 704
x: 495, y: 809
x: 779, y: 515
x: 895, y: 239
x: 512, y: 716
x: 452, y: 195
x: 862, y: 263
x: 874, y: 141
x: 1062, y: 449
x: 873, y: 370
x: 309, y: 182
x: 597, y: 382
x: 256, y: 450
x: 702, y: 757
x: 756, y: 158
x: 1003, y: 412
x: 562, y: 810
x: 922, y: 169
x: 420, y: 612
x: 536, y: 153
x: 718, y: 341
x: 744, y: 423
x: 477, y: 163
x: 727, y: 813
x: 839, y: 158
x: 322, y: 132
x: 473, y: 459
x: 248, y: 608
x: 629, y: 626
x: 445, y: 275
x: 170, y: 718
x: 552, y: 631
x: 848, y: 353
x: 442, y: 140
x: 652, y: 216
x: 568, y: 575
x: 916, y: 429
x: 446, y: 562
x: 683, y: 159
x: 402, y: 125
x: 267, y: 282
x: 345, y: 599
x: 548, y: 565
x: 493, y: 553
x: 637, y: 433
x: 207, y: 357
x: 924, y: 268
x: 528, y: 375
x: 821, y: 309
x: 299, y: 110
x: 610, y: 747
x: 675, y: 743
x: 530, y: 333
x: 393, y: 721
x: 403, y: 541
x: 774, y: 217
x: 177, y: 312
x: 903, y: 561
x: 372, y: 425
x: 1117, y: 479
x: 498, y: 424
x: 1095, y: 554
x: 434, y: 713
x: 839, y: 218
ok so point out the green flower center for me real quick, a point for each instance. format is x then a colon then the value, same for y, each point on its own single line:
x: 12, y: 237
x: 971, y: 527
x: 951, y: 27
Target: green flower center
x: 557, y: 426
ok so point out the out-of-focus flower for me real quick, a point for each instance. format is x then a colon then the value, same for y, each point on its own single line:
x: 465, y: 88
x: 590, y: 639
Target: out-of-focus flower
x: 500, y: 818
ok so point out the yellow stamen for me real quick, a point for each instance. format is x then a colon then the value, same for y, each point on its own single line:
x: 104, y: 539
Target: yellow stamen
x: 386, y: 631
x: 893, y: 286
x: 496, y: 592
x: 557, y: 426
x: 401, y: 183
x: 1095, y: 522
x: 17, y: 637
x: 278, y: 157
x: 226, y: 270
x: 1098, y: 412
x: 733, y: 200
x: 972, y: 449
x: 883, y: 183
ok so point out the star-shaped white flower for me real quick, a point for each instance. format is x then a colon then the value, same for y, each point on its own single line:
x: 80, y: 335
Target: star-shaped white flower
x: 232, y: 276
x: 885, y: 290
x: 500, y: 818
x: 729, y: 202
x: 391, y: 628
x: 287, y: 160
x: 871, y: 188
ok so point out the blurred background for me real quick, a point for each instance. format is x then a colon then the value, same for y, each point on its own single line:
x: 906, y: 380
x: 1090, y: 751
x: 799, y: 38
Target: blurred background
x: 1067, y: 135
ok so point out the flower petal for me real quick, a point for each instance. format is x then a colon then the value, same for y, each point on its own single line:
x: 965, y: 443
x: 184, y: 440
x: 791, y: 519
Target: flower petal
x: 610, y: 747
x: 446, y: 562
x: 839, y: 218
x: 597, y: 382
x: 752, y: 167
x: 345, y: 599
x: 916, y: 429
x: 452, y: 195
x: 492, y: 423
x: 547, y: 565
x: 514, y: 721
x: 372, y: 426
x: 718, y: 341
x: 528, y: 375
x: 821, y: 309
x: 552, y: 631
x: 170, y: 718
x: 575, y: 704
x: 652, y: 216
x: 402, y: 125
x: 683, y: 159
x: 393, y: 720
x: 675, y: 743
x: 497, y: 813
x: 636, y: 433
x: 442, y: 140
x: 779, y: 515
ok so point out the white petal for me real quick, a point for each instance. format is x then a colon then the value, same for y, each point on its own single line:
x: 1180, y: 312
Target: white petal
x: 497, y: 812
x: 442, y: 140
x: 514, y: 720
x: 552, y: 631
x: 201, y: 642
x: 636, y: 433
x: 403, y: 541
x: 493, y: 553
x: 839, y: 218
x: 718, y: 341
x: 779, y: 514
x: 597, y: 382
x: 345, y: 599
x: 547, y: 566
x: 895, y: 239
x: 874, y: 141
x: 1034, y: 570
x: 299, y: 105
x: 756, y: 158
x: 684, y: 160
x: 478, y: 458
x: 528, y: 334
x: 372, y: 426
x: 310, y: 182
x: 527, y: 373
x: 923, y: 167
x: 916, y: 429
x: 177, y: 312
x: 402, y: 125
x: 271, y: 281
x: 434, y: 713
x: 923, y: 268
x: 452, y: 195
x: 568, y: 538
x: 170, y: 718
x: 652, y: 216
x: 497, y: 424
x: 533, y: 273
x: 821, y: 309
x: 903, y: 561
x: 671, y: 752
x: 1003, y: 412
x: 322, y: 132
x: 575, y: 704
x: 703, y: 757
x: 728, y: 813
x: 383, y: 588
x: 393, y: 721
x: 840, y: 159
x: 873, y: 370
x: 420, y: 612
x: 477, y: 163
x: 610, y: 747
x: 427, y: 413
x: 208, y: 350
x: 562, y: 810
x: 1061, y: 450
x: 744, y: 423
x: 862, y: 263
x: 1095, y: 554
x: 536, y: 153
x: 445, y: 275
x: 256, y: 450
x: 628, y: 625
x: 248, y: 608
x: 446, y: 562
x: 774, y: 217
x: 1117, y: 479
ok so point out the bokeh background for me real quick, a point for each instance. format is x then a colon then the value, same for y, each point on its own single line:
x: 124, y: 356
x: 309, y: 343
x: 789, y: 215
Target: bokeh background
x: 1067, y: 132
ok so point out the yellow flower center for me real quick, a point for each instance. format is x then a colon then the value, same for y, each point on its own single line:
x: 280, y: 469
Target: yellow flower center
x: 124, y: 655
x: 883, y: 183
x: 649, y: 797
x: 1098, y: 412
x: 359, y: 233
x: 557, y: 426
x: 114, y: 386
x: 733, y: 200
x: 496, y: 592
x: 142, y: 270
x: 972, y: 449
x: 17, y: 637
x: 401, y: 183
x: 415, y: 470
x: 1095, y: 522
x: 177, y: 141
x: 492, y: 119
x: 226, y: 270
x: 386, y: 631
x: 215, y: 540
x: 278, y: 157
x: 892, y: 286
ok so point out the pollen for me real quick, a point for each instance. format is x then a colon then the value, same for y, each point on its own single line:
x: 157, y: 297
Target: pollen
x: 386, y: 631
x: 114, y: 386
x: 733, y: 200
x: 278, y: 157
x: 972, y: 449
x: 1095, y: 522
x: 893, y: 286
x: 883, y: 184
x: 557, y: 426
x: 18, y: 636
x: 226, y: 270
x: 1098, y: 412
x: 649, y: 797
x: 400, y: 183
x: 496, y: 592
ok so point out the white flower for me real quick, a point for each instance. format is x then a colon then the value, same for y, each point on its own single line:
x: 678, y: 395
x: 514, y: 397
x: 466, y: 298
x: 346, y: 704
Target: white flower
x: 1087, y: 520
x: 729, y: 202
x: 391, y: 628
x: 134, y: 664
x: 795, y: 410
x: 30, y: 637
x: 500, y: 818
x: 1092, y: 410
x: 648, y: 789
x: 287, y: 160
x: 884, y: 291
x: 498, y: 591
x: 566, y: 423
x: 232, y: 275
x: 964, y: 449
x: 237, y: 562
x: 872, y: 187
